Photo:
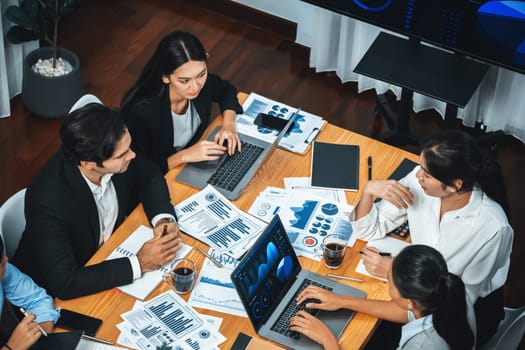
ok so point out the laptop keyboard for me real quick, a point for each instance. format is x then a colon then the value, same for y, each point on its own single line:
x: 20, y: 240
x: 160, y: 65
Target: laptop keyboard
x: 230, y: 172
x: 282, y: 325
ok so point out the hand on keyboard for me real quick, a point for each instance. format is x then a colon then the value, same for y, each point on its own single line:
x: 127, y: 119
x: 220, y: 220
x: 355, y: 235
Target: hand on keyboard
x: 318, y: 298
x: 307, y: 302
x: 314, y: 329
x: 228, y: 137
x: 203, y: 150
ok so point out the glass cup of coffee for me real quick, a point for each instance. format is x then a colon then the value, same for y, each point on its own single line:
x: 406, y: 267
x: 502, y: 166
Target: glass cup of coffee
x: 333, y: 248
x: 181, y: 275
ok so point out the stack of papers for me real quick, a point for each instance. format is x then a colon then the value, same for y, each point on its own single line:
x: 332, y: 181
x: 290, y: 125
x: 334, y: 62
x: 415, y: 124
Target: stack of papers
x: 306, y: 125
x: 167, y: 319
x: 307, y: 217
x: 211, y: 218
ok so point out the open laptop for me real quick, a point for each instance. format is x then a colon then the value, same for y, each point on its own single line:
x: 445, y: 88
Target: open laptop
x: 231, y: 174
x: 268, y: 279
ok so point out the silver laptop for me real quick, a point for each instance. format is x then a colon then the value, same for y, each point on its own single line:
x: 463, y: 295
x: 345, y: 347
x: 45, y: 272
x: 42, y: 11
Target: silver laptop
x: 268, y: 280
x: 231, y: 174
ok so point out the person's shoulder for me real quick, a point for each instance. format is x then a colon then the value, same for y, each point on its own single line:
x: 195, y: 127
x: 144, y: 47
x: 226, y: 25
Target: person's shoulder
x: 145, y: 108
x: 426, y: 339
x: 57, y: 177
x: 12, y: 273
x: 490, y: 209
x: 51, y: 171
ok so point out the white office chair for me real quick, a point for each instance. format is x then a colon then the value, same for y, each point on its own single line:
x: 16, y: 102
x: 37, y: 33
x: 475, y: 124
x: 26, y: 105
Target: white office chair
x: 12, y: 221
x: 84, y: 100
x: 510, y: 331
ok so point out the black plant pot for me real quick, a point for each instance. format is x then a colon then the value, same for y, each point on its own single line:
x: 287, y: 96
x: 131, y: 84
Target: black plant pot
x: 51, y: 97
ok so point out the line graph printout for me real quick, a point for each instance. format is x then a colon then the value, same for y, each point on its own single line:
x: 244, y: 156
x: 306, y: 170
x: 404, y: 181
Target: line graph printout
x: 214, y: 289
x: 168, y: 319
x: 211, y: 218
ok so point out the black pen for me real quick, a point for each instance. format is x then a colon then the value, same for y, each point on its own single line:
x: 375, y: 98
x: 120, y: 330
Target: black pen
x: 165, y: 230
x: 380, y: 253
x: 369, y: 168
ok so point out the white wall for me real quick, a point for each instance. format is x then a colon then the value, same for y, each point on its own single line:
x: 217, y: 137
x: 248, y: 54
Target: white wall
x: 302, y: 13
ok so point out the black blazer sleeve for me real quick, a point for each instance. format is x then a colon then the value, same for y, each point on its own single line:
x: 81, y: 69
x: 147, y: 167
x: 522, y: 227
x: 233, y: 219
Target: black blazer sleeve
x: 145, y: 179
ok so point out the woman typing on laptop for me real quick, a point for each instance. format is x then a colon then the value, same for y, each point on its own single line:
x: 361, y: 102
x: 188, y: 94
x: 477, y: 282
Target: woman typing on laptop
x: 423, y: 293
x: 169, y: 106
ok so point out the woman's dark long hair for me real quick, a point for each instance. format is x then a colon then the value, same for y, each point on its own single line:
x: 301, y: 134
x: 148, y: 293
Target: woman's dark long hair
x: 420, y: 273
x: 454, y: 154
x: 173, y: 51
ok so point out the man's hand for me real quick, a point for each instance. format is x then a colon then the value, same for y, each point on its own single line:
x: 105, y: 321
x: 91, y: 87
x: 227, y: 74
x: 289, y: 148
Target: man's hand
x: 25, y: 334
x: 161, y: 249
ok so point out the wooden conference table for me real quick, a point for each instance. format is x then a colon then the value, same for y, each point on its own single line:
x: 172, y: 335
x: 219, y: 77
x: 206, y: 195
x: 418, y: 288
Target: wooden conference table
x: 110, y: 304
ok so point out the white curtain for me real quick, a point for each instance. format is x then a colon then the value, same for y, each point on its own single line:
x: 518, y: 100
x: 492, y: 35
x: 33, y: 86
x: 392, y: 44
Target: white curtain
x: 11, y: 58
x: 338, y: 42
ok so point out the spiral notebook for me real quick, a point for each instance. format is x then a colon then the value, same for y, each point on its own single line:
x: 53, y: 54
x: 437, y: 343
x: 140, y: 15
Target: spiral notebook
x: 142, y: 287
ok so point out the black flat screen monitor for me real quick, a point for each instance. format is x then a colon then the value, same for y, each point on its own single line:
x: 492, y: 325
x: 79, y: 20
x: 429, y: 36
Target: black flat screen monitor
x: 492, y: 31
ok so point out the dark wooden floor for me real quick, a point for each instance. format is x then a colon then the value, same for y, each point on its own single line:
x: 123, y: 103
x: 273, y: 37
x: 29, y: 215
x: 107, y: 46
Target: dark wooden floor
x: 113, y: 39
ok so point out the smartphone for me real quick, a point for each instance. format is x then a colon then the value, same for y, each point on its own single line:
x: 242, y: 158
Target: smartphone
x: 271, y: 122
x: 74, y: 320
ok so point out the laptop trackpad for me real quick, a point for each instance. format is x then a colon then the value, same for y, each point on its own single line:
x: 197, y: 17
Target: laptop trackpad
x: 207, y: 164
x: 336, y: 320
x: 210, y: 164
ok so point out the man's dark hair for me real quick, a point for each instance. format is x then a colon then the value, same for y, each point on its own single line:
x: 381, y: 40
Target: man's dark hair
x: 91, y: 133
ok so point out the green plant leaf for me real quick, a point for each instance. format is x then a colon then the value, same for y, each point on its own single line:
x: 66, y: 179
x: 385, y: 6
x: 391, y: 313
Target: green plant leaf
x: 18, y: 16
x: 17, y: 35
x: 31, y: 8
x: 38, y: 16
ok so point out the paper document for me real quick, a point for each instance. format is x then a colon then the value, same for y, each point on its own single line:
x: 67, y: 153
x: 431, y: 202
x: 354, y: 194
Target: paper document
x: 303, y: 184
x: 142, y: 287
x: 211, y: 218
x: 306, y: 218
x: 85, y: 344
x: 167, y: 319
x: 386, y: 244
x: 306, y: 125
x: 214, y: 290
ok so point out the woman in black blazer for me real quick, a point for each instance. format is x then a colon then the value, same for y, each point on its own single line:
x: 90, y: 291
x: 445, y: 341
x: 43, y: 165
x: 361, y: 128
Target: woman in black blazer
x: 169, y: 107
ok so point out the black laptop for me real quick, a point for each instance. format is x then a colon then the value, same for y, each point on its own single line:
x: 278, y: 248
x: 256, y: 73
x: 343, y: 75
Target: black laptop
x: 268, y: 280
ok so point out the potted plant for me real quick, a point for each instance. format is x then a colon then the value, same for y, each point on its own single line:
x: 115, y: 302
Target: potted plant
x: 51, y: 80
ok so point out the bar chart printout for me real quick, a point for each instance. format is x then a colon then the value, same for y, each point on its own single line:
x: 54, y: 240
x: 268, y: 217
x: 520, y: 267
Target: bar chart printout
x: 168, y: 319
x: 211, y: 218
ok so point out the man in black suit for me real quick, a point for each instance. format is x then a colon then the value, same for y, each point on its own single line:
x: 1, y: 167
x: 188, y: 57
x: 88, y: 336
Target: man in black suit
x: 80, y: 196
